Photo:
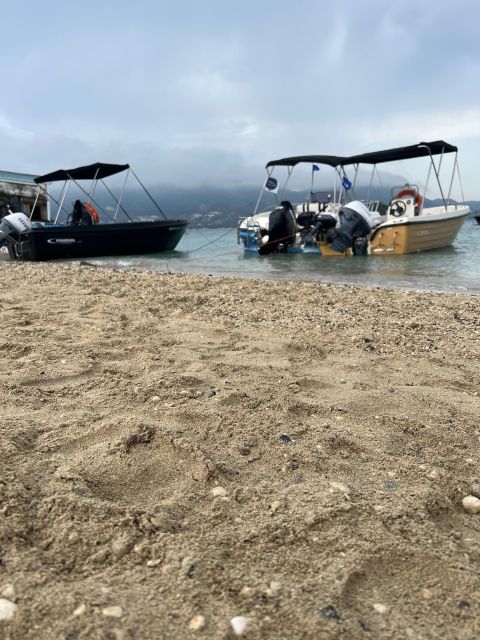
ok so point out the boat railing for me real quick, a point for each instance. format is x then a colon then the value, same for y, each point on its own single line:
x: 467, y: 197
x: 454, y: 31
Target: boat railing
x: 372, y: 205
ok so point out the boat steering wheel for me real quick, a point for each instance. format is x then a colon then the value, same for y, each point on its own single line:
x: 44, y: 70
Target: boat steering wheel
x: 398, y: 208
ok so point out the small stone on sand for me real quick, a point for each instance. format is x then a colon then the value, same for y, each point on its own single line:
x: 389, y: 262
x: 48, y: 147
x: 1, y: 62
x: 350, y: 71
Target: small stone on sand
x: 380, y: 608
x: 113, y: 612
x: 196, y: 623
x: 239, y: 624
x: 7, y: 609
x: 8, y: 592
x: 219, y: 492
x: 475, y: 489
x: 154, y: 563
x: 471, y: 504
x: 80, y: 610
x: 340, y: 486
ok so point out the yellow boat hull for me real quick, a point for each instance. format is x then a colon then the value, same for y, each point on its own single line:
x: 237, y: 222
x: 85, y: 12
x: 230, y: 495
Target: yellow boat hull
x: 411, y: 236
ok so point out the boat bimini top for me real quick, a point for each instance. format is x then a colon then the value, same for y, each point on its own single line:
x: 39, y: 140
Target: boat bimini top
x: 438, y: 147
x: 388, y: 155
x: 95, y: 172
x: 331, y: 161
x: 338, y: 163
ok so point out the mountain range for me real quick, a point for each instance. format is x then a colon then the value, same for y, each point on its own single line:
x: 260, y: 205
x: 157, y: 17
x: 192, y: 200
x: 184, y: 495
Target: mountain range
x: 216, y: 206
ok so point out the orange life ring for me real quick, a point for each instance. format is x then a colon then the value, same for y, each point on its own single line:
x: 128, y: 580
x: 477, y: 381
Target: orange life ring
x: 414, y: 194
x: 93, y: 212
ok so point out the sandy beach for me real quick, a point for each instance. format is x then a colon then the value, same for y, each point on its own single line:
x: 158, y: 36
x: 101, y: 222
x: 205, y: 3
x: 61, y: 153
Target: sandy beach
x: 177, y: 451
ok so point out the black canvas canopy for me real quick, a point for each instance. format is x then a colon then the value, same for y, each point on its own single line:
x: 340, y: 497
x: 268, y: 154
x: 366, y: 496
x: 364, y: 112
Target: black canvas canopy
x: 96, y: 171
x: 403, y: 153
x: 332, y: 161
x: 388, y: 155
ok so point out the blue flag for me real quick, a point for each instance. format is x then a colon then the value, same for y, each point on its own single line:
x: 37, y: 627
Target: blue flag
x: 271, y: 185
x: 315, y: 167
x: 347, y: 185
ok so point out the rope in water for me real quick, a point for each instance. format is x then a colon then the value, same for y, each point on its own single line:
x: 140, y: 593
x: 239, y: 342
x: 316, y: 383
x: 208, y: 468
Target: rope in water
x: 212, y: 241
x: 228, y: 253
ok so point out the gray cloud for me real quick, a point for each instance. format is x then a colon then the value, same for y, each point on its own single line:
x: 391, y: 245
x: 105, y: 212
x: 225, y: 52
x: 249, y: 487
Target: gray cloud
x: 208, y: 92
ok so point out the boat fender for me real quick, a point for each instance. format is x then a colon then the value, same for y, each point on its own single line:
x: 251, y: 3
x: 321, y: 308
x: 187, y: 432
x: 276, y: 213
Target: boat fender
x: 413, y: 193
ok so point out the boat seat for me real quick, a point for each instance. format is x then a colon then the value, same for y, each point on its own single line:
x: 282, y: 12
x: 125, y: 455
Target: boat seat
x: 308, y: 207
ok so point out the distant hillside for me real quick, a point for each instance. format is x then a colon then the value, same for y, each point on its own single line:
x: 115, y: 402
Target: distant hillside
x: 221, y: 207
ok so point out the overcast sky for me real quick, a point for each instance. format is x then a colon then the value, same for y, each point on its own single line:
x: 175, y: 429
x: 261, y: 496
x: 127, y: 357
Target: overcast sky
x: 207, y: 91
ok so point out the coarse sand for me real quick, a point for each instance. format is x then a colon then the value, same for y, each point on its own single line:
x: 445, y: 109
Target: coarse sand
x: 183, y: 456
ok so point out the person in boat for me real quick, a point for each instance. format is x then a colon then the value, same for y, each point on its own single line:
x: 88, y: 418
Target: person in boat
x: 82, y: 214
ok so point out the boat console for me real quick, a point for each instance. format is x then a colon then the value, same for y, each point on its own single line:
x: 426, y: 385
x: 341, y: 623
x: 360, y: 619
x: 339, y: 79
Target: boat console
x: 406, y: 202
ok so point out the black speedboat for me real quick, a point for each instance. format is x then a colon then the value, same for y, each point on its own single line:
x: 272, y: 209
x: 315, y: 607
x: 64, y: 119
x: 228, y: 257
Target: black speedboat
x: 476, y: 217
x: 90, y: 230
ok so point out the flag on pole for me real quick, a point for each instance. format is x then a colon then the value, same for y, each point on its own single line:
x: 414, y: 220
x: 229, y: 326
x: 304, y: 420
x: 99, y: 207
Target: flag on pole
x: 347, y: 185
x: 315, y: 168
x: 271, y: 185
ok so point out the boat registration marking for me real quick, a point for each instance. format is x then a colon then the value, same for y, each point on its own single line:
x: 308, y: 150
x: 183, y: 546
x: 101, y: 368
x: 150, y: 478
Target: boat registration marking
x: 422, y: 233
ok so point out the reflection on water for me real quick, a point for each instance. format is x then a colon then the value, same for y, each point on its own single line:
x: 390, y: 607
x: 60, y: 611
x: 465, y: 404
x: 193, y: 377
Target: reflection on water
x: 454, y: 269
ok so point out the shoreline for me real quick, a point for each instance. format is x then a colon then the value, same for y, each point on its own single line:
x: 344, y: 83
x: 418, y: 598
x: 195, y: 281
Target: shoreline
x: 265, y: 278
x: 179, y: 450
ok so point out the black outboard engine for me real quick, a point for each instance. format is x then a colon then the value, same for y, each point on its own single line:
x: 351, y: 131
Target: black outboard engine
x: 355, y: 224
x: 12, y: 227
x: 325, y: 222
x: 281, y: 228
x: 307, y: 219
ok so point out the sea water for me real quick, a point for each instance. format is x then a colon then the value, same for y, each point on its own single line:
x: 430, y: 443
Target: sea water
x: 216, y: 252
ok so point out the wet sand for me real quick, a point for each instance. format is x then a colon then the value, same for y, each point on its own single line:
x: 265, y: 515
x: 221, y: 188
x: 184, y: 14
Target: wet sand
x: 180, y: 450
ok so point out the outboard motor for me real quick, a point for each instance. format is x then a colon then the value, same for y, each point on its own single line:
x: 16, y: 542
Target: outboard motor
x: 325, y: 222
x: 356, y: 222
x: 307, y: 219
x: 12, y: 227
x: 282, y: 228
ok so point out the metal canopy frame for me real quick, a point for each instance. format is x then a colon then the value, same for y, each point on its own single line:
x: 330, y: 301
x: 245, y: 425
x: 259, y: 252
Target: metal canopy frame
x: 97, y: 172
x: 338, y: 163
